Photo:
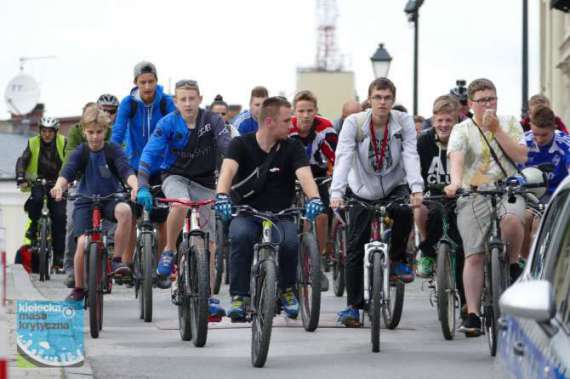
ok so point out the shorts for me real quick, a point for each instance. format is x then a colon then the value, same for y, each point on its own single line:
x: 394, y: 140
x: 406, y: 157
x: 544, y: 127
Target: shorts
x: 473, y: 220
x: 179, y: 187
x: 82, y: 216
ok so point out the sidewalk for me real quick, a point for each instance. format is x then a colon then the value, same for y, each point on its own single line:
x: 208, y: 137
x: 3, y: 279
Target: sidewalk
x: 20, y: 287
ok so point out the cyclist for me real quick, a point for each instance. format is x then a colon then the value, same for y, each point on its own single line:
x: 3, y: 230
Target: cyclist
x: 460, y: 94
x: 541, y: 100
x: 103, y: 169
x: 220, y: 107
x: 472, y: 148
x: 319, y: 139
x: 246, y: 121
x: 348, y: 108
x: 43, y: 158
x: 276, y: 160
x: 192, y: 138
x: 376, y: 158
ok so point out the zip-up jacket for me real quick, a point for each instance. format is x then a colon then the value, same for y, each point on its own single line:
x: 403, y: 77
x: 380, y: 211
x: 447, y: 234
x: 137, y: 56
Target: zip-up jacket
x: 139, y: 127
x: 320, y: 144
x: 41, y: 159
x: 433, y: 159
x: 354, y: 160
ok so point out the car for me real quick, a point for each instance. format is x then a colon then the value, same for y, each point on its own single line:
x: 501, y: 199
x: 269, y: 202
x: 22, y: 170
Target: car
x: 534, y: 328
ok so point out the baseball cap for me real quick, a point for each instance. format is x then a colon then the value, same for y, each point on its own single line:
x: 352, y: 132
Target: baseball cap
x: 144, y: 67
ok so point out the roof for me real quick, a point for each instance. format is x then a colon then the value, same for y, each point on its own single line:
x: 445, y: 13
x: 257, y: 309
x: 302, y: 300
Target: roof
x: 11, y: 147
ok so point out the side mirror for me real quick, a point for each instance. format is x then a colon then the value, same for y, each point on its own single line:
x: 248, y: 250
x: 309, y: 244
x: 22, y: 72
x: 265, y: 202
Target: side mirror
x: 533, y: 299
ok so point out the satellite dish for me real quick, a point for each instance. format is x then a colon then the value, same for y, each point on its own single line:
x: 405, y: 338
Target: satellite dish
x: 22, y: 94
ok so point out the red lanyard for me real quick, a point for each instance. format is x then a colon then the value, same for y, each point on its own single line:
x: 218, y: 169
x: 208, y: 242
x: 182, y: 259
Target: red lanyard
x: 379, y: 157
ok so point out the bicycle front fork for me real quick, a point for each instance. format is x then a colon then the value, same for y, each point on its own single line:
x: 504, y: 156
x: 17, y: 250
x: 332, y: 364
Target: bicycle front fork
x: 369, y: 248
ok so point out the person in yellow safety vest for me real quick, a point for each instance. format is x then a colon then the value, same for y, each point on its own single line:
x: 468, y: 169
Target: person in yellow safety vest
x: 43, y: 158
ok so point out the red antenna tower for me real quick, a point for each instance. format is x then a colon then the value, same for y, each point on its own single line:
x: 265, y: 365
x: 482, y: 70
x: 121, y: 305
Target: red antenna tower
x: 327, y: 58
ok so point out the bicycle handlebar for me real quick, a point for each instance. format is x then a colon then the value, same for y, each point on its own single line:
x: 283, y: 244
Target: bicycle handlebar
x: 99, y: 198
x: 293, y: 211
x: 187, y: 203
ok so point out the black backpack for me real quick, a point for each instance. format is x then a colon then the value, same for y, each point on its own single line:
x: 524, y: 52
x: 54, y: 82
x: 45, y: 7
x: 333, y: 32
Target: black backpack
x: 108, y: 157
x: 134, y: 106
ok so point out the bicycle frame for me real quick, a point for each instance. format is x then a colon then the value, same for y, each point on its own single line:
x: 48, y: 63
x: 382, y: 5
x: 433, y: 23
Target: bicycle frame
x: 376, y: 244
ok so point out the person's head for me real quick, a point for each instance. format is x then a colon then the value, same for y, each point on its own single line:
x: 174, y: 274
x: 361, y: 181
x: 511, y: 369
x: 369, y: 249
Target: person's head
x: 146, y: 80
x: 381, y: 95
x: 537, y: 100
x: 109, y: 103
x: 419, y: 121
x: 305, y: 109
x: 95, y: 122
x: 445, y: 115
x: 258, y: 95
x: 400, y: 108
x: 482, y: 96
x: 542, y: 124
x: 275, y: 117
x: 460, y: 94
x: 187, y: 99
x: 350, y: 107
x: 220, y: 107
x: 48, y: 128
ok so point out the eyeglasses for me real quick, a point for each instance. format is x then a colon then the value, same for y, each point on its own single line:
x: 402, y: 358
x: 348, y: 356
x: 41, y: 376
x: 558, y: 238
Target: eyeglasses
x: 485, y: 100
x: 186, y: 83
x: 382, y: 98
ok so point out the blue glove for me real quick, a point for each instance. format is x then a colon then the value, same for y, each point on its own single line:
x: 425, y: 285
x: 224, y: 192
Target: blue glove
x: 224, y: 206
x: 144, y: 198
x: 516, y: 180
x: 313, y: 208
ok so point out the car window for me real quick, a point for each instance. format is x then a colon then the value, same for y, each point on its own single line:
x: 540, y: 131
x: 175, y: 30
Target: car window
x: 561, y: 271
x: 552, y: 218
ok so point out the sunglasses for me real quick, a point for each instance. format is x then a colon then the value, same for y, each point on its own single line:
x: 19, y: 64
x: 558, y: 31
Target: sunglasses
x: 185, y: 83
x: 111, y: 111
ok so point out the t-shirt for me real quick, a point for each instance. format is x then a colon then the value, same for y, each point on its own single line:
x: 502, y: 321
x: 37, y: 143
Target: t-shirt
x: 556, y: 152
x: 279, y: 190
x: 433, y: 159
x: 479, y: 166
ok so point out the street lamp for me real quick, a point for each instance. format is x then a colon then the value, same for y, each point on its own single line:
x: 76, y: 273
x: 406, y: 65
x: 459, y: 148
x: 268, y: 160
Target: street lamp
x: 381, y: 60
x: 412, y: 9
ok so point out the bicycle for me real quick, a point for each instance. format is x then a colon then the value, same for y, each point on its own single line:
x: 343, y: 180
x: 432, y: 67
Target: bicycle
x: 222, y: 256
x: 191, y: 289
x: 264, y: 282
x: 97, y: 264
x: 338, y: 260
x: 41, y: 242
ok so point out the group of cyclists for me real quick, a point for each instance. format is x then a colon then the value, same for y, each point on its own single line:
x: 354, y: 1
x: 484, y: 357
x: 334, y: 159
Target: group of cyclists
x: 373, y: 152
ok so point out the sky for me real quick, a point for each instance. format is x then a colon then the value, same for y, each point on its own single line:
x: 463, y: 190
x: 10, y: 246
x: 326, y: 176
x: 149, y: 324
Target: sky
x: 231, y: 46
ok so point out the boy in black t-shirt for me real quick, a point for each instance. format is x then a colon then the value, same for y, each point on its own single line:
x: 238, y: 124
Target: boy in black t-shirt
x: 287, y: 162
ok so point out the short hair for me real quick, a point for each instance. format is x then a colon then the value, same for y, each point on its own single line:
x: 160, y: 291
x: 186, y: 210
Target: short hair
x: 187, y: 84
x: 92, y: 115
x: 271, y: 107
x: 419, y: 119
x: 445, y: 104
x: 305, y: 96
x: 382, y: 84
x: 400, y: 108
x: 543, y: 117
x: 538, y: 99
x: 479, y: 85
x: 144, y: 67
x: 259, y: 91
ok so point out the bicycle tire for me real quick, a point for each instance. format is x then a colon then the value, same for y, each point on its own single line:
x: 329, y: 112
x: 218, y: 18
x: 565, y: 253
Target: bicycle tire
x: 394, y: 305
x: 309, y: 281
x: 44, y: 251
x: 498, y: 285
x: 94, y: 294
x: 446, y: 299
x: 219, y: 257
x: 137, y: 277
x: 338, y: 264
x: 375, y: 308
x: 183, y: 278
x: 264, y: 305
x: 148, y: 269
x: 200, y: 290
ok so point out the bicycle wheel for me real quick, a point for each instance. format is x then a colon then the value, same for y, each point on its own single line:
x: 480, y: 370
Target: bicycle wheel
x: 446, y: 298
x: 309, y: 281
x: 183, y: 291
x: 393, y: 303
x: 219, y: 256
x: 147, y: 258
x: 94, y: 293
x: 338, y: 262
x: 376, y: 284
x: 137, y: 277
x: 199, y: 290
x: 264, y: 310
x: 44, y: 251
x: 498, y: 285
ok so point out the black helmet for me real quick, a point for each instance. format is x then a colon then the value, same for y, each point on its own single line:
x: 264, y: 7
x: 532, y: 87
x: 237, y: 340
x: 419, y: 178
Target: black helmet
x: 460, y: 92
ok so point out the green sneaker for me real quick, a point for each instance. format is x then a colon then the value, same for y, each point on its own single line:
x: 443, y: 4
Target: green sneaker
x: 425, y: 267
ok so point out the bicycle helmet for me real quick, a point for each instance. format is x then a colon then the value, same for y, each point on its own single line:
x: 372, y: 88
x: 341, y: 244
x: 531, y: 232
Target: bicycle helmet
x: 535, y: 176
x: 49, y: 123
x: 108, y: 100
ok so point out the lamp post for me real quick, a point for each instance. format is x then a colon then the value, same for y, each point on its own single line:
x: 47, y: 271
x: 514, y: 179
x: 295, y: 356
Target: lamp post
x: 381, y: 60
x: 412, y: 9
x: 524, y: 109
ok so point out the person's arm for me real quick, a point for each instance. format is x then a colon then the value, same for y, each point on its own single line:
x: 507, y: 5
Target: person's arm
x: 410, y: 154
x: 344, y: 154
x: 121, y: 122
x: 329, y: 144
x: 134, y: 184
x: 510, y: 142
x: 305, y: 177
x: 59, y: 188
x: 456, y: 148
x: 227, y: 173
x: 158, y: 141
x: 23, y: 162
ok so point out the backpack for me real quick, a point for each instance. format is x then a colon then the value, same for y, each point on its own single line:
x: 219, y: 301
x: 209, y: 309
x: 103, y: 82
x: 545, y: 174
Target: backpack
x: 108, y: 157
x: 360, y: 120
x: 134, y: 106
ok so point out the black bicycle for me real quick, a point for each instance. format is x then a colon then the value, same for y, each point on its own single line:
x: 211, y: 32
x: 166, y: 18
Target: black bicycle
x: 222, y: 256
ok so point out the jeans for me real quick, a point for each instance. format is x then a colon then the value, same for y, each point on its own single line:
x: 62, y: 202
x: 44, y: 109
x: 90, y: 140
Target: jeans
x: 245, y: 232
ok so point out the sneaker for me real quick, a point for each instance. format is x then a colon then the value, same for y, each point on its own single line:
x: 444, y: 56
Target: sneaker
x: 70, y: 280
x: 425, y: 267
x: 119, y: 268
x: 402, y: 271
x: 324, y: 282
x: 289, y: 303
x: 165, y: 263
x: 77, y: 294
x: 350, y: 317
x: 472, y: 326
x: 163, y: 282
x: 237, y: 309
x: 215, y: 310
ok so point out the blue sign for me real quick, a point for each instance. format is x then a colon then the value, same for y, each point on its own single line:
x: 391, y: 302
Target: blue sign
x: 49, y: 333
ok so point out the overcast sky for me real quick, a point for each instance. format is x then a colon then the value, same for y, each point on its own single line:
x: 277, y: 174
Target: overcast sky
x: 230, y: 46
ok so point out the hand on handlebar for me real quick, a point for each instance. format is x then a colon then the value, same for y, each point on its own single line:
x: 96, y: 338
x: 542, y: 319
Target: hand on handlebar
x: 416, y: 199
x: 144, y: 197
x: 451, y: 190
x: 337, y: 203
x: 223, y: 206
x: 313, y: 208
x: 57, y: 193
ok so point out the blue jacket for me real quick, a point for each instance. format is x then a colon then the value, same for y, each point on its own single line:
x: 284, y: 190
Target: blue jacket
x: 136, y: 132
x: 557, y: 153
x: 245, y: 123
x: 189, y: 153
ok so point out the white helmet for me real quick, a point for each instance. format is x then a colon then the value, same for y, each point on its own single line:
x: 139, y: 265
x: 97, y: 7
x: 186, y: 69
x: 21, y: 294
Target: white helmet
x: 534, y: 176
x: 49, y: 123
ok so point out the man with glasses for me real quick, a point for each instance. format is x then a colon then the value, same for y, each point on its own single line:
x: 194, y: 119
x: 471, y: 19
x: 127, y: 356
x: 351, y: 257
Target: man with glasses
x: 185, y: 143
x: 475, y: 166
